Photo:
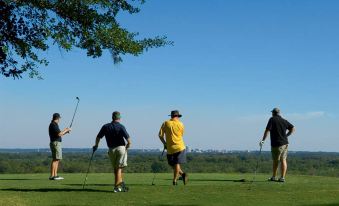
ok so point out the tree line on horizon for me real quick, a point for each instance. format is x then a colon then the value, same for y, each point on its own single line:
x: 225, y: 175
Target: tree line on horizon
x: 320, y: 164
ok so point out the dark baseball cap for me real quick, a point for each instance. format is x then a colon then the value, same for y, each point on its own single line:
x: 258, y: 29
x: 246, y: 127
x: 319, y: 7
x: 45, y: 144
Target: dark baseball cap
x: 276, y: 111
x: 116, y: 115
x: 175, y: 113
x: 56, y: 116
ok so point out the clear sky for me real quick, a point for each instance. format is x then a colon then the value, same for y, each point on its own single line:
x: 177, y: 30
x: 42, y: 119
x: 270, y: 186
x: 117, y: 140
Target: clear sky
x: 231, y: 63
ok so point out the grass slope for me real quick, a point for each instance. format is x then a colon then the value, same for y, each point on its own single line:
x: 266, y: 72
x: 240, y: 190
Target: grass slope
x: 203, y: 189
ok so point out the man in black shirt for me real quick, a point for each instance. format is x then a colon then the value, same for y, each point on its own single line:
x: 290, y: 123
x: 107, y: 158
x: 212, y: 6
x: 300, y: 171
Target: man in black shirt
x: 55, y: 144
x: 277, y: 127
x: 115, y: 134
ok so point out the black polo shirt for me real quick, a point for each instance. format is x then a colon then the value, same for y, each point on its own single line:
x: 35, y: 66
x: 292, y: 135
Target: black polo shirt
x: 54, y: 131
x: 278, y: 127
x: 115, y: 133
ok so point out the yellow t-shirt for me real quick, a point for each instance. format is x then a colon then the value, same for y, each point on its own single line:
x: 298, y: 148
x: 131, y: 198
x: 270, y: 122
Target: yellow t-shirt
x: 173, y: 130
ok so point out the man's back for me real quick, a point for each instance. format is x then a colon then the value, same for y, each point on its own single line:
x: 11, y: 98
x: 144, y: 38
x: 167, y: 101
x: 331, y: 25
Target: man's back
x: 278, y: 127
x: 115, y: 133
x: 174, y: 131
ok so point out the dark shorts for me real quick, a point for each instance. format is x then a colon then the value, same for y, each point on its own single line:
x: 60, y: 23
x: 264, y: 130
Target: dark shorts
x: 176, y: 158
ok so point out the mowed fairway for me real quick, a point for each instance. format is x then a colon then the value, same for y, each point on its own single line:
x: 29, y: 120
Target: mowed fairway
x: 203, y: 189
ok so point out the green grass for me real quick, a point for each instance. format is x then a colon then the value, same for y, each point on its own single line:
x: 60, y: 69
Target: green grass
x: 203, y: 189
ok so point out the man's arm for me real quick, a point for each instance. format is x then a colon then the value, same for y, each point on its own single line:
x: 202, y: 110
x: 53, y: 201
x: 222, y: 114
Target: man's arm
x: 265, y: 134
x: 98, y: 138
x: 128, y: 145
x: 261, y: 143
x: 63, y: 132
x: 162, y: 139
x: 267, y: 131
x: 290, y: 131
x: 126, y: 137
x: 96, y: 145
x: 162, y: 136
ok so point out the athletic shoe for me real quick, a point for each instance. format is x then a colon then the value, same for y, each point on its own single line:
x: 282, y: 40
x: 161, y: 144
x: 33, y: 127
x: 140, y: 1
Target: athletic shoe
x: 185, y: 178
x: 281, y: 179
x: 175, y: 183
x: 58, y: 178
x: 117, y: 189
x: 124, y: 188
x: 272, y: 179
x: 51, y: 178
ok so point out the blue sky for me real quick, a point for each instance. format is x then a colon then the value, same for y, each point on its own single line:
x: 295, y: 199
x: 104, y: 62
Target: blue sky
x: 231, y: 63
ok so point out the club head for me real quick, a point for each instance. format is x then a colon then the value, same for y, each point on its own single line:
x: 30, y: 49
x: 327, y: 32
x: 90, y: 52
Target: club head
x: 153, y: 184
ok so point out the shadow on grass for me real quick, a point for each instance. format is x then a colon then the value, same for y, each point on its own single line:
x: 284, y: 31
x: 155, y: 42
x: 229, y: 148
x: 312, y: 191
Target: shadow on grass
x: 174, y: 204
x: 223, y: 180
x: 217, y: 180
x: 80, y: 185
x: 53, y: 190
x: 325, y: 204
x: 103, y: 185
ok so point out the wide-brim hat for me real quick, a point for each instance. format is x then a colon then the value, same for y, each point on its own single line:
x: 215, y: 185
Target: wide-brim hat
x: 175, y: 113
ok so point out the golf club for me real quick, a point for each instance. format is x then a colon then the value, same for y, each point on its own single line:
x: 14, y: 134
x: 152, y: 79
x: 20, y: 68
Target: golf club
x: 256, y: 168
x: 89, y: 166
x: 162, y: 154
x: 76, y: 108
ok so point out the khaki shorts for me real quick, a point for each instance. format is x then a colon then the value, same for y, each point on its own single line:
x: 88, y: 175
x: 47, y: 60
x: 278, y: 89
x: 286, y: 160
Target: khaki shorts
x: 118, y: 156
x: 56, y: 150
x: 279, y: 153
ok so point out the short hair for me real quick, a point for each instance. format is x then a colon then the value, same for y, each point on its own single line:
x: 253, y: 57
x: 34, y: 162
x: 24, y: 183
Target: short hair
x: 116, y: 115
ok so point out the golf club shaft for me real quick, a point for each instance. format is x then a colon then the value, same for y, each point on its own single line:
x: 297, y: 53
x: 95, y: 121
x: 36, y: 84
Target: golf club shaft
x: 162, y: 154
x: 76, y: 108
x: 256, y: 167
x: 89, y: 166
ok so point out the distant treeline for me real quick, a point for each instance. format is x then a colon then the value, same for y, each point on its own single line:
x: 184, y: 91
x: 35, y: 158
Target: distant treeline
x: 305, y: 163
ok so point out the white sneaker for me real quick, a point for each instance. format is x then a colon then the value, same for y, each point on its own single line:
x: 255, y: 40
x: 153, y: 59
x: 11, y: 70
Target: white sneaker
x: 117, y: 189
x: 272, y: 179
x: 281, y: 179
x: 58, y: 178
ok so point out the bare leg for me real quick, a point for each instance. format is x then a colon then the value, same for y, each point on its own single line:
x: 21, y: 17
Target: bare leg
x: 180, y: 171
x: 176, y: 172
x: 283, y: 168
x: 275, y: 168
x: 122, y: 174
x: 52, y: 168
x: 115, y: 177
x: 118, y: 176
x: 56, y: 167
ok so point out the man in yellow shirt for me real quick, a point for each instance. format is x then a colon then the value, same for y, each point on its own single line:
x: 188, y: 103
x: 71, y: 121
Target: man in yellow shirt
x: 173, y: 129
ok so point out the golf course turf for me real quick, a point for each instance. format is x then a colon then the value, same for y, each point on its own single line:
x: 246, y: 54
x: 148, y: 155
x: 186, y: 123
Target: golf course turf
x: 202, y: 189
